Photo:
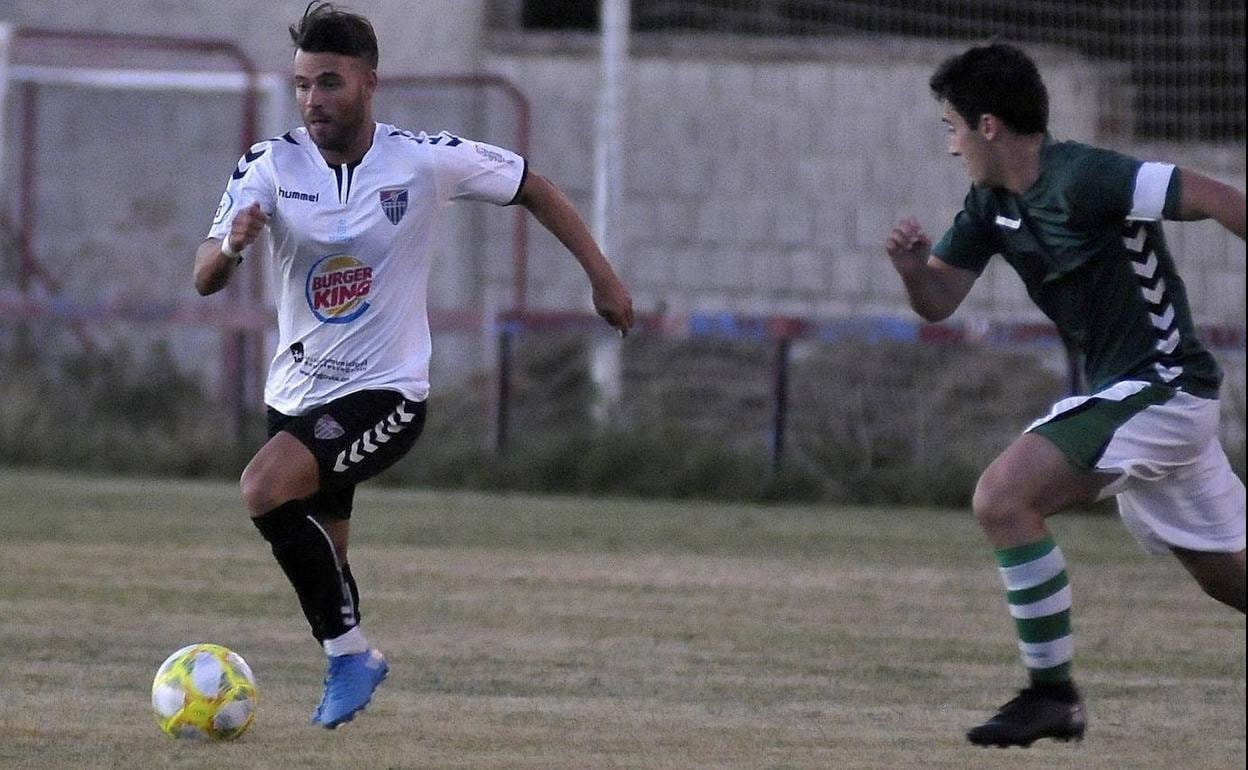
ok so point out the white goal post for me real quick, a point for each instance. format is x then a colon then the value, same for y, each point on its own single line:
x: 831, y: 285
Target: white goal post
x: 272, y: 89
x: 6, y: 41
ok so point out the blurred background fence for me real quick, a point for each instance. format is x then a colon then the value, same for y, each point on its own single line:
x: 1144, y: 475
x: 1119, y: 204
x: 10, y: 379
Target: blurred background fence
x: 1184, y: 59
x: 767, y: 147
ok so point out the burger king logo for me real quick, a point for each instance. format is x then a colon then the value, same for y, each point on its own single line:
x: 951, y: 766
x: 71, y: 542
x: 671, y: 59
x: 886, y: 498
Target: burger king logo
x: 338, y: 287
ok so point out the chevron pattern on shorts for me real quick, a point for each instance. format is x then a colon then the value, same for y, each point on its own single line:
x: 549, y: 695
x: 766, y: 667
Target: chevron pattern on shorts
x: 395, y: 423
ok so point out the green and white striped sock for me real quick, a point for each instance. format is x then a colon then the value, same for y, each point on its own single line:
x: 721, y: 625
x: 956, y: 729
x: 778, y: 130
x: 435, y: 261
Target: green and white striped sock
x: 1039, y: 597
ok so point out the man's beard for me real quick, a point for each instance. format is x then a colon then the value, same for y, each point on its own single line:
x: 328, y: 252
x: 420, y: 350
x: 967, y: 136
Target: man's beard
x: 340, y: 133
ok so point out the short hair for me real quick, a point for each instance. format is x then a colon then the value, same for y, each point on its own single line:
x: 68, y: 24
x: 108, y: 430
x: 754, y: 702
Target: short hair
x: 997, y: 79
x: 325, y: 28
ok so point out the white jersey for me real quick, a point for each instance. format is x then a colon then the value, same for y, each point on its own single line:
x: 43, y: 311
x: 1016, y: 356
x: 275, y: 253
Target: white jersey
x: 350, y: 248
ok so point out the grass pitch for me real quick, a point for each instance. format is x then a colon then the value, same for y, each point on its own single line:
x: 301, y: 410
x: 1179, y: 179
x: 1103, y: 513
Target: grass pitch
x: 529, y: 632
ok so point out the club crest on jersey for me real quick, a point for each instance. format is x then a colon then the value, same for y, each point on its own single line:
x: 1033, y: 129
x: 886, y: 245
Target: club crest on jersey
x: 223, y: 208
x: 394, y: 203
x: 338, y: 287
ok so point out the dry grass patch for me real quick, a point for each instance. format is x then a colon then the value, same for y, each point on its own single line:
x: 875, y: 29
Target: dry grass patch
x: 529, y: 632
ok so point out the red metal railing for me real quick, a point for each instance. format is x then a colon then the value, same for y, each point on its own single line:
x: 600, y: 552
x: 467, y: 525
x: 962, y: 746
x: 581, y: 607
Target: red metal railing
x: 235, y: 342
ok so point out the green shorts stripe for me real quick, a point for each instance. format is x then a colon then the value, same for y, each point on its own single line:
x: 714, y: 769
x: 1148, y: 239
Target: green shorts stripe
x: 1083, y: 432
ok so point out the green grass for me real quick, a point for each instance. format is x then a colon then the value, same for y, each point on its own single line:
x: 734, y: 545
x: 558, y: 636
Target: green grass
x: 547, y: 632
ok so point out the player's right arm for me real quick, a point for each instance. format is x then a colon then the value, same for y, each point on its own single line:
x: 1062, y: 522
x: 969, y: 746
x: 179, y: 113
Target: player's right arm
x: 250, y: 192
x: 213, y: 265
x: 935, y: 288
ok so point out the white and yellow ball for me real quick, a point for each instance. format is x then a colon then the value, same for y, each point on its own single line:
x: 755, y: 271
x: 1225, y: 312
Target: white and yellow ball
x: 204, y: 691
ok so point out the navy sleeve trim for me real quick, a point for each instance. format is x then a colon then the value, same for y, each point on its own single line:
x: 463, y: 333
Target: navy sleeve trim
x: 245, y: 163
x: 524, y: 177
x: 1174, y: 196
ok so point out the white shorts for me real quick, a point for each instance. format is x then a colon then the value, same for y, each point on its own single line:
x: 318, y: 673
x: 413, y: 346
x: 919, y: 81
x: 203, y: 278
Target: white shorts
x: 1174, y: 484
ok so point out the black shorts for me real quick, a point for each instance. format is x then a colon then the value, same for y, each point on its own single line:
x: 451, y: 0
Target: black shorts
x: 353, y: 438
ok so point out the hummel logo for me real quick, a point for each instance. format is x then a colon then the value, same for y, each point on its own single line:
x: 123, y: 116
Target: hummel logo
x: 1012, y: 224
x: 299, y: 196
x: 1155, y: 294
x: 1146, y: 268
x: 393, y: 425
x: 1169, y: 344
x: 1168, y: 373
x: 1164, y: 320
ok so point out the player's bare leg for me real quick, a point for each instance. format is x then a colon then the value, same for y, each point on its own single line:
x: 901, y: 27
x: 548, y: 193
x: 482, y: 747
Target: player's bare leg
x: 1028, y: 482
x: 1221, y: 575
x: 283, y: 470
x: 1031, y: 480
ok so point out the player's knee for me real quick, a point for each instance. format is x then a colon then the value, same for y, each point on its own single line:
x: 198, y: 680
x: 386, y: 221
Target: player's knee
x: 995, y: 508
x: 259, y: 496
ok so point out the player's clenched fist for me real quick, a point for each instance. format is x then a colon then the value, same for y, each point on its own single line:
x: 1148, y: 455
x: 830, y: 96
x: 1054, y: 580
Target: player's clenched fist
x: 908, y: 245
x: 613, y: 303
x: 245, y: 229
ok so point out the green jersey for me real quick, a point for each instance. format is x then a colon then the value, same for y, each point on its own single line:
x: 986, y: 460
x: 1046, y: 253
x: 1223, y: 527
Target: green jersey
x: 1087, y: 241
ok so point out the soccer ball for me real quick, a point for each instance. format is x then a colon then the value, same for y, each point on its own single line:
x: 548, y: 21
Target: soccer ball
x: 204, y: 691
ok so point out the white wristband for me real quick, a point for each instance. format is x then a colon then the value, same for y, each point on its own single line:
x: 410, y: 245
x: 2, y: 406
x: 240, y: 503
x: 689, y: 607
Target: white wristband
x: 237, y: 256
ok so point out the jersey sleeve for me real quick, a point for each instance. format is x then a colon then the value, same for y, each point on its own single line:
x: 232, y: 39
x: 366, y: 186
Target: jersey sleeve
x: 1112, y: 187
x: 251, y: 182
x: 1156, y: 193
x: 471, y: 170
x: 971, y: 240
x: 1174, y: 195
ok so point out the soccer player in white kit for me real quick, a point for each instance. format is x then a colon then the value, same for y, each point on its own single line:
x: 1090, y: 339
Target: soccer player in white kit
x: 346, y: 210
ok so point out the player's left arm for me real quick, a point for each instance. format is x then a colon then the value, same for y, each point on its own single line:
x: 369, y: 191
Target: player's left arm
x: 555, y: 212
x: 1200, y: 197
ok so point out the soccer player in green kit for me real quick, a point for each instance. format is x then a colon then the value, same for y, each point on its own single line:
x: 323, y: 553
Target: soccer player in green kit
x: 1082, y: 227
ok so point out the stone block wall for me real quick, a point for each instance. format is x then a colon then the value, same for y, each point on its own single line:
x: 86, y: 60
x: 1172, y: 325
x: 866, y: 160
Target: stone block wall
x: 755, y: 181
x: 768, y: 186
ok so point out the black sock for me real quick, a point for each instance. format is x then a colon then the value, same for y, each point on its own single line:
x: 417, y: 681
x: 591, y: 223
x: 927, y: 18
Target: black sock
x: 355, y: 591
x: 1059, y: 691
x: 307, y: 556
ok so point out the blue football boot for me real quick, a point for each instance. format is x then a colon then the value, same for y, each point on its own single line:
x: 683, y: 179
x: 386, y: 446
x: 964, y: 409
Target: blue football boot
x: 349, y: 685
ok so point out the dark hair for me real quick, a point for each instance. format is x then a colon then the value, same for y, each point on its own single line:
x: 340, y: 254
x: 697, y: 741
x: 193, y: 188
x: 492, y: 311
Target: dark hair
x: 996, y: 79
x: 327, y: 29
